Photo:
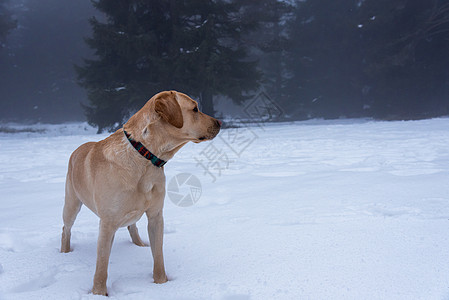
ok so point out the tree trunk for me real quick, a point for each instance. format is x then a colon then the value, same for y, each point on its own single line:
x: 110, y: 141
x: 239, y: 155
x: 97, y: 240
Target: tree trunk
x: 207, y: 103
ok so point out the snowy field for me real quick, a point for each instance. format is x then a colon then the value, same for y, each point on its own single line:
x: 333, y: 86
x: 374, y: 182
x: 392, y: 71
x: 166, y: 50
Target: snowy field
x: 351, y: 209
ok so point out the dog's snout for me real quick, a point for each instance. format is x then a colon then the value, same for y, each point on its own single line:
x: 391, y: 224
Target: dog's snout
x: 218, y: 123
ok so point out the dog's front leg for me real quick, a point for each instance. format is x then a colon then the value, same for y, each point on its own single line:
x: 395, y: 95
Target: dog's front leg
x: 156, y: 234
x: 104, y: 245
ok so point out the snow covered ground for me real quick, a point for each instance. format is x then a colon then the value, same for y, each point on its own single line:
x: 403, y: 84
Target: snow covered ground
x: 351, y: 209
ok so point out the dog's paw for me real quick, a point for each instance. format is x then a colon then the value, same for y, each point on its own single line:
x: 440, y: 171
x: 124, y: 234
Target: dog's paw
x: 66, y: 250
x: 100, y: 291
x: 160, y: 279
x: 141, y: 244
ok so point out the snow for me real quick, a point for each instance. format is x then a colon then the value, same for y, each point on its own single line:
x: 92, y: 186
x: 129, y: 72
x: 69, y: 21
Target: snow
x: 348, y: 209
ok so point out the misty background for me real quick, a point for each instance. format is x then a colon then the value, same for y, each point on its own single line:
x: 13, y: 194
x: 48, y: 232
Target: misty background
x: 315, y: 59
x: 38, y: 80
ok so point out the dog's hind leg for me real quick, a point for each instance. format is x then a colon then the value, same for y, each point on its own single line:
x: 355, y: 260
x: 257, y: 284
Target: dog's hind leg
x: 134, y: 233
x: 72, y: 207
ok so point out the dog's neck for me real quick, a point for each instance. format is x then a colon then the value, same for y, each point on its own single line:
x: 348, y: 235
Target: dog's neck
x: 157, y: 155
x: 156, y: 161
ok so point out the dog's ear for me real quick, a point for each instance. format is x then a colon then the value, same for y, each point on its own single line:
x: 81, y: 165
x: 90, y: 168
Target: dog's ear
x: 168, y: 108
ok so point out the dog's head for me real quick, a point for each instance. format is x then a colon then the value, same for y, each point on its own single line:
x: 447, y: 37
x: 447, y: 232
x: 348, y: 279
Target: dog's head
x: 179, y: 117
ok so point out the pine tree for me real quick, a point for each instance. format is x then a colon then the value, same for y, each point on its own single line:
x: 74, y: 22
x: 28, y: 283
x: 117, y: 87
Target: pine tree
x: 147, y: 46
x: 407, y: 63
x: 271, y: 44
x: 381, y: 58
x: 325, y: 59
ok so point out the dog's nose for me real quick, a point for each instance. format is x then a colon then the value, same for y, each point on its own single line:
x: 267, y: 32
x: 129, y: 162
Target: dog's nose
x: 219, y: 123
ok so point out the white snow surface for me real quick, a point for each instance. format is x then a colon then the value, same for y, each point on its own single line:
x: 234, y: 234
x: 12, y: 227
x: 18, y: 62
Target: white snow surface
x: 352, y: 209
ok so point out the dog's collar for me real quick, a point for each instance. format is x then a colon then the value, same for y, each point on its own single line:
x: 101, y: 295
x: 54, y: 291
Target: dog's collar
x: 145, y: 152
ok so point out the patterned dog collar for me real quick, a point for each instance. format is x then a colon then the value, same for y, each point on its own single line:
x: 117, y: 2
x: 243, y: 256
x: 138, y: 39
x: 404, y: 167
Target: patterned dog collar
x: 145, y: 152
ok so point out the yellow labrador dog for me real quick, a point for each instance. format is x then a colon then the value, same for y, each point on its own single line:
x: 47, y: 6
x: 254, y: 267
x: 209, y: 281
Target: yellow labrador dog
x: 122, y: 177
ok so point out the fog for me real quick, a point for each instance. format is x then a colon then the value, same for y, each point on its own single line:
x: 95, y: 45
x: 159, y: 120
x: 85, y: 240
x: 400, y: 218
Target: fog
x: 38, y: 80
x: 316, y: 59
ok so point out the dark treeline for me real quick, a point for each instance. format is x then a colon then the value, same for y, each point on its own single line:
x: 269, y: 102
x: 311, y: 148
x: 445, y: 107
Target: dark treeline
x: 386, y: 59
x: 37, y: 58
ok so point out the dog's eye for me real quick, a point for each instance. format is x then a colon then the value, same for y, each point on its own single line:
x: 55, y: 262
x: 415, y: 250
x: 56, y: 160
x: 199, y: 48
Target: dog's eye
x: 195, y: 109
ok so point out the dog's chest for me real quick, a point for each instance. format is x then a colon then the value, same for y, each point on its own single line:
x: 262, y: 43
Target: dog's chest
x: 151, y: 188
x: 148, y: 197
x: 151, y: 181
